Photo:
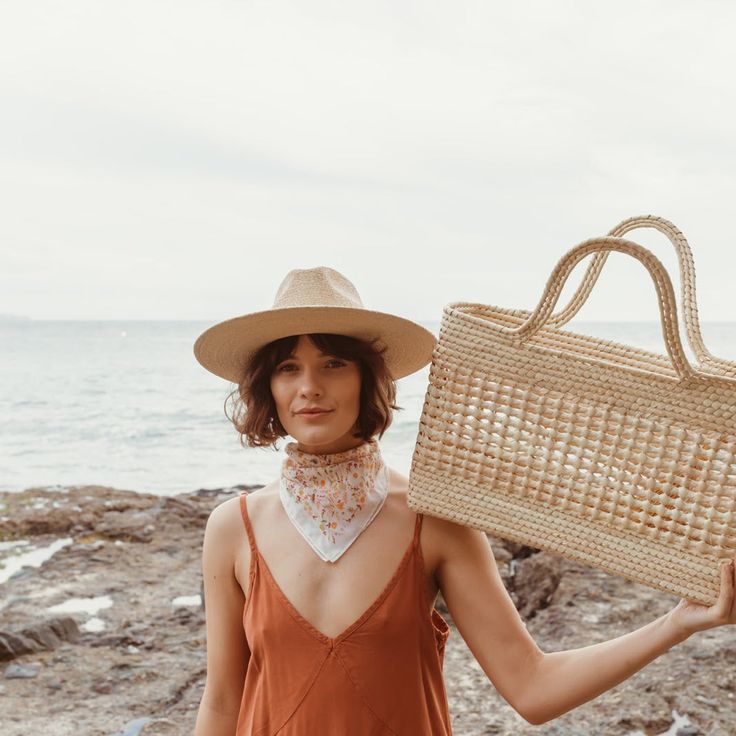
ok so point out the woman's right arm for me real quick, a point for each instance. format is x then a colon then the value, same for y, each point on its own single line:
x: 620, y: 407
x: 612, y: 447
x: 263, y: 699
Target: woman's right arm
x: 227, y: 648
x: 539, y: 685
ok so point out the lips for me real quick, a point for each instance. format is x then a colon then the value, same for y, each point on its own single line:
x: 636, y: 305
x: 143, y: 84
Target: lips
x: 313, y: 412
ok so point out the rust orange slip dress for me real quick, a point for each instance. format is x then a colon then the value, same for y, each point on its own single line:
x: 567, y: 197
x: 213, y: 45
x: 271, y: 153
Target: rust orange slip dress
x: 380, y: 676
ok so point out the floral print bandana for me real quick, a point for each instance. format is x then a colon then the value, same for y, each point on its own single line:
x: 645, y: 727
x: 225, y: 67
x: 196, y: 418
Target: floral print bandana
x: 332, y: 498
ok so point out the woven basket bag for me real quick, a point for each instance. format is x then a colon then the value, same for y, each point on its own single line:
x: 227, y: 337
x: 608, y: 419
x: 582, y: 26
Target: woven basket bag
x: 601, y: 452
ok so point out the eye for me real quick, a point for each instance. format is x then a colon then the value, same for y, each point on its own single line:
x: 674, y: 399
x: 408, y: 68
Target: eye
x: 285, y: 368
x: 337, y: 362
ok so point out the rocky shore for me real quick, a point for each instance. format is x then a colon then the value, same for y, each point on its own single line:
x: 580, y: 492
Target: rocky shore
x: 102, y: 631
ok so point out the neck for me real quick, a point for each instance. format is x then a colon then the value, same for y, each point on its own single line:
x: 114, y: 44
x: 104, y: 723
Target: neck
x: 341, y: 445
x: 366, y: 454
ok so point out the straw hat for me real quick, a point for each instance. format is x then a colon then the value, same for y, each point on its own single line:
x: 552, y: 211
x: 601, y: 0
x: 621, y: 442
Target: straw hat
x: 313, y: 300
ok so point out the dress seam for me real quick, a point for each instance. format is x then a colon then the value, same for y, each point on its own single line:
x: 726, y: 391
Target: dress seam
x: 361, y: 696
x: 306, y: 692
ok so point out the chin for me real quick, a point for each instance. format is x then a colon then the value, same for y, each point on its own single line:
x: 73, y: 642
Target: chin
x: 318, y: 436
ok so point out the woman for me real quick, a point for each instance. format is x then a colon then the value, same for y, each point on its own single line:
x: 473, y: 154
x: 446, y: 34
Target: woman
x: 320, y: 587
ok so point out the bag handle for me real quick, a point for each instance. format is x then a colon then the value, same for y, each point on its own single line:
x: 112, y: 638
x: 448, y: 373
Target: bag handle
x: 688, y: 300
x: 662, y: 282
x: 687, y: 273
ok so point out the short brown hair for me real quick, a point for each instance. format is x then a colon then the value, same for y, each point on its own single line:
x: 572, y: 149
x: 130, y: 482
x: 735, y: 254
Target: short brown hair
x: 254, y: 414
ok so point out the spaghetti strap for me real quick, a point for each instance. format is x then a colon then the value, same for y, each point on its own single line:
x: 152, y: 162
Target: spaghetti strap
x: 248, y: 527
x: 417, y: 529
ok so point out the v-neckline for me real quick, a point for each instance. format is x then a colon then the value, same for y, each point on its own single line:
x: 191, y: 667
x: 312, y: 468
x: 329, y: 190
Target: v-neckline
x: 333, y: 641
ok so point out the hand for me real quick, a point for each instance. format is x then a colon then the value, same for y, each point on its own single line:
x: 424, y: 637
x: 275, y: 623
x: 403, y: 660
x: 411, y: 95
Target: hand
x: 690, y: 617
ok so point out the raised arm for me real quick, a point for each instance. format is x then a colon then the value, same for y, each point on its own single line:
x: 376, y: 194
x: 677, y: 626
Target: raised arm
x: 227, y: 648
x: 541, y: 686
x: 569, y: 678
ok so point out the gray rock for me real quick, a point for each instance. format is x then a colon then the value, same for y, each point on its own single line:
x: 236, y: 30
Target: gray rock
x: 49, y: 633
x: 38, y: 636
x: 502, y: 555
x: 147, y: 726
x: 20, y: 671
x: 160, y: 727
x: 708, y: 701
x: 103, y: 688
x: 516, y: 549
x: 688, y: 730
x: 493, y: 728
x: 651, y: 715
x: 136, y: 526
x: 183, y: 511
x: 13, y: 645
x: 535, y: 580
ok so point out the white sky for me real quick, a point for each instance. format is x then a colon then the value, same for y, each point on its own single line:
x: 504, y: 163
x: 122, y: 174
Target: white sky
x: 176, y: 159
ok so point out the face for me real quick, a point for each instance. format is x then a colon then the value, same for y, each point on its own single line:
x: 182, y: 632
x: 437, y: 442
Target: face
x: 310, y: 379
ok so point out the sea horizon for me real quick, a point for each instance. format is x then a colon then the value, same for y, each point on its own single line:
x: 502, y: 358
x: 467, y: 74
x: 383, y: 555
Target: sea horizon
x: 124, y: 403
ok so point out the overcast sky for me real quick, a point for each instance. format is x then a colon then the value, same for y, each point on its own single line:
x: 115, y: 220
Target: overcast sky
x: 176, y: 159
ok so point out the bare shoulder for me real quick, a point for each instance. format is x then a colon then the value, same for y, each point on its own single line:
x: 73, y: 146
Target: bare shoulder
x: 441, y: 539
x: 223, y: 517
x: 459, y: 542
x: 261, y: 498
x: 226, y: 519
x: 443, y: 536
x: 398, y: 486
x: 231, y: 507
x: 452, y: 533
x: 228, y: 527
x: 398, y: 483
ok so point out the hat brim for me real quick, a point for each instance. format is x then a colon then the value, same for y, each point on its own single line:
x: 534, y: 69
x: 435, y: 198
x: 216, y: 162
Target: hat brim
x: 226, y: 348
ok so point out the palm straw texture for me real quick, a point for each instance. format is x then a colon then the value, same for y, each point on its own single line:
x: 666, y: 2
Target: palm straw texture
x: 601, y: 452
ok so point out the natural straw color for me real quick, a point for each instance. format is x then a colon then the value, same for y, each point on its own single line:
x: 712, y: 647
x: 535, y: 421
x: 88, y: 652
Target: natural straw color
x: 601, y: 452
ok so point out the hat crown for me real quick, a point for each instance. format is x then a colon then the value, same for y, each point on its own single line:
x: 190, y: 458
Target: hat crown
x: 308, y: 301
x: 316, y: 287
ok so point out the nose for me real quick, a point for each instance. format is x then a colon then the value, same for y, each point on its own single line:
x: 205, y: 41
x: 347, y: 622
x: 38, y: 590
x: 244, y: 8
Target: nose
x: 310, y: 384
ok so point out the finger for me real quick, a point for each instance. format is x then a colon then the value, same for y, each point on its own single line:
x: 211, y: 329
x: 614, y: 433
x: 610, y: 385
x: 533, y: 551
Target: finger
x: 724, y: 604
x: 722, y: 607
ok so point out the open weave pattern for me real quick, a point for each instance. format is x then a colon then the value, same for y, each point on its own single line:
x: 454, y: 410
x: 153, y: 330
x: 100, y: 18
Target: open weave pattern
x: 601, y: 452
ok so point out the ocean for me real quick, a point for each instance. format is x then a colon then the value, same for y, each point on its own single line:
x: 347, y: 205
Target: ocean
x: 125, y: 404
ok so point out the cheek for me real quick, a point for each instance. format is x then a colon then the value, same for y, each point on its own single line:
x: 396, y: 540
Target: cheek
x: 351, y: 390
x: 279, y: 395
